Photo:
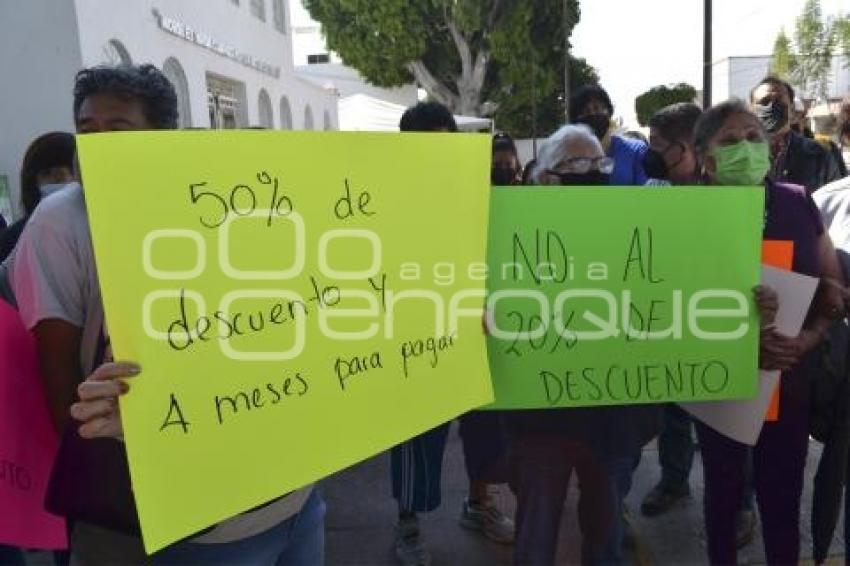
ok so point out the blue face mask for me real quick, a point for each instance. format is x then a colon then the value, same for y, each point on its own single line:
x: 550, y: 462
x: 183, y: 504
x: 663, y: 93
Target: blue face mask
x: 49, y: 188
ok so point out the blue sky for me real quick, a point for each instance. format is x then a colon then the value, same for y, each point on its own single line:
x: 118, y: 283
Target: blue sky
x: 637, y: 44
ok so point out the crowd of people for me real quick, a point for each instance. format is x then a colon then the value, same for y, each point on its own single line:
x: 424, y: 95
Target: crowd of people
x: 49, y: 274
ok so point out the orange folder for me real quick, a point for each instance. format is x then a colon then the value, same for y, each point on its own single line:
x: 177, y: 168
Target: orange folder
x: 778, y: 254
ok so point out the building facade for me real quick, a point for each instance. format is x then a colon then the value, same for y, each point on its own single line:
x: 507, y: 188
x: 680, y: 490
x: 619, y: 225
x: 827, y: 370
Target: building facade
x: 734, y: 77
x: 231, y: 62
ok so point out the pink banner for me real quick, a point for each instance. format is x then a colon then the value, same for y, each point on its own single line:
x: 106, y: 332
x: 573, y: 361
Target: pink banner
x: 28, y: 443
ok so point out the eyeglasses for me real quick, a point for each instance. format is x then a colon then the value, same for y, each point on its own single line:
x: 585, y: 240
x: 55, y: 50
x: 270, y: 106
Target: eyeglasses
x: 582, y: 165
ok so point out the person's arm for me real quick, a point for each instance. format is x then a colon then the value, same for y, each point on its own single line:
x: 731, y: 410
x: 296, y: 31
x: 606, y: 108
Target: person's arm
x: 49, y: 279
x: 58, y: 344
x: 827, y: 308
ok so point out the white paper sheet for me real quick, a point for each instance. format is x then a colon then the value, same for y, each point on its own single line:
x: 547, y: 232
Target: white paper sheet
x: 743, y: 420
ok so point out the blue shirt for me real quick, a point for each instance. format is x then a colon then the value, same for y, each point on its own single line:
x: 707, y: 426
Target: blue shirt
x: 628, y: 161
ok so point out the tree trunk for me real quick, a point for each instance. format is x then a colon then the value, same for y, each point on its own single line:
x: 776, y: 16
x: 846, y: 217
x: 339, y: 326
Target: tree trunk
x: 469, y: 84
x: 473, y: 70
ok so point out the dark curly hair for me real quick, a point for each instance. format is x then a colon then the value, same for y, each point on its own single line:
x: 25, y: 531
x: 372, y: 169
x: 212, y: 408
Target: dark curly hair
x: 427, y: 117
x: 55, y: 149
x: 145, y: 83
x: 676, y: 122
x: 584, y: 95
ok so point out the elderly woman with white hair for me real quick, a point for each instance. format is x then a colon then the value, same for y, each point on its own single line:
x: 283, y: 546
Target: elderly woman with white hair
x: 601, y: 444
x: 572, y: 156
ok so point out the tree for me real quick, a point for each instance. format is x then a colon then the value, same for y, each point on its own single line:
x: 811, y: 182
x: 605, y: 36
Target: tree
x: 527, y: 76
x: 783, y: 62
x: 656, y: 98
x: 815, y: 38
x: 505, y: 55
x: 842, y: 32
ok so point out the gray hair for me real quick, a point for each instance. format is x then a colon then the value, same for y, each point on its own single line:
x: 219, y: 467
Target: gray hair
x: 553, y: 150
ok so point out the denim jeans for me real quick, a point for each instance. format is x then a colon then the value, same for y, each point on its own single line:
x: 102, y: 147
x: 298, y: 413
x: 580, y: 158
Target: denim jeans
x: 11, y: 556
x: 676, y: 448
x: 297, y: 541
x: 620, y: 470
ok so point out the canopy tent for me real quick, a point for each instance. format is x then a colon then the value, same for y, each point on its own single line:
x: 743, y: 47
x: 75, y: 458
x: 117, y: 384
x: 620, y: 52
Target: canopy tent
x: 364, y: 113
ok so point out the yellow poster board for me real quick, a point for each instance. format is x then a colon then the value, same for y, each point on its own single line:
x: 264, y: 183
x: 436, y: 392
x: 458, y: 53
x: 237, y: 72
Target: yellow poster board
x: 297, y: 301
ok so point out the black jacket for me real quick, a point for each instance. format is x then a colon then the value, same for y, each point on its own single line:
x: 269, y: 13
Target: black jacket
x: 807, y: 163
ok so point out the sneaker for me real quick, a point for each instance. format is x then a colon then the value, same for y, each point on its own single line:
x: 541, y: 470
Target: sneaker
x: 487, y: 520
x: 408, y: 544
x: 745, y: 527
x: 661, y: 499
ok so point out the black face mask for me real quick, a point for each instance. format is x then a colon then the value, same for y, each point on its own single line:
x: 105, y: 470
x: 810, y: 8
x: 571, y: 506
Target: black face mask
x: 589, y: 179
x: 654, y: 165
x: 502, y: 176
x: 773, y: 116
x: 599, y: 123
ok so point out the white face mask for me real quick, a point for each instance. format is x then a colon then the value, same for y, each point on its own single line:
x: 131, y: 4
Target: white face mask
x: 48, y: 189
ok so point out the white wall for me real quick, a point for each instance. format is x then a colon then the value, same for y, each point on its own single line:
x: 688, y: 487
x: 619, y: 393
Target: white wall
x: 840, y: 78
x: 720, y: 81
x: 525, y: 149
x: 736, y: 76
x: 307, y: 36
x: 745, y: 73
x: 37, y: 85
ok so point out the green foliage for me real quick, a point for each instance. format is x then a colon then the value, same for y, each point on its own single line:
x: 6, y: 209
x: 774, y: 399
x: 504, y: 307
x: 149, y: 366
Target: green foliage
x: 783, y: 62
x: 656, y: 98
x: 815, y: 39
x: 528, y: 68
x: 504, y: 55
x: 376, y: 38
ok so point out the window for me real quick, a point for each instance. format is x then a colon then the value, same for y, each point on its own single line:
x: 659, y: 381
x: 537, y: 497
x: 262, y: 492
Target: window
x: 285, y: 114
x: 236, y: 2
x: 318, y: 58
x: 279, y: 14
x: 328, y: 123
x: 264, y: 107
x: 174, y: 72
x: 308, y: 118
x: 258, y: 8
x: 226, y: 99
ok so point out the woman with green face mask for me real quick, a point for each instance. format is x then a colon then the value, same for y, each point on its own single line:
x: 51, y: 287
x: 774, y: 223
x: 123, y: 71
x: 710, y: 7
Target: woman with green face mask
x: 732, y: 150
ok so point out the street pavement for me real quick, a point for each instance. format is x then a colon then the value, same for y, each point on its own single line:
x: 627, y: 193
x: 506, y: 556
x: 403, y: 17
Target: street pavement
x: 361, y: 515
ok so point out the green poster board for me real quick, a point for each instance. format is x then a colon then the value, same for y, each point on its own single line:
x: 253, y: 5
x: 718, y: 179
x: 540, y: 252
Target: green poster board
x: 606, y: 296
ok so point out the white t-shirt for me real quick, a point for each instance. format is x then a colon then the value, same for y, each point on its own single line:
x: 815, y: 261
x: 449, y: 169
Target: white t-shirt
x: 52, y: 274
x: 833, y: 200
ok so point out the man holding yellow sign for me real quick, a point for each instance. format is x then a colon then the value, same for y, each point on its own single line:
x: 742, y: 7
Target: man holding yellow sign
x: 279, y: 338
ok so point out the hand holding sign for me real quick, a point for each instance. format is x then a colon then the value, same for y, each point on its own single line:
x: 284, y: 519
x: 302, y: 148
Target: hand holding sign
x: 606, y: 296
x: 293, y: 302
x: 98, y: 408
